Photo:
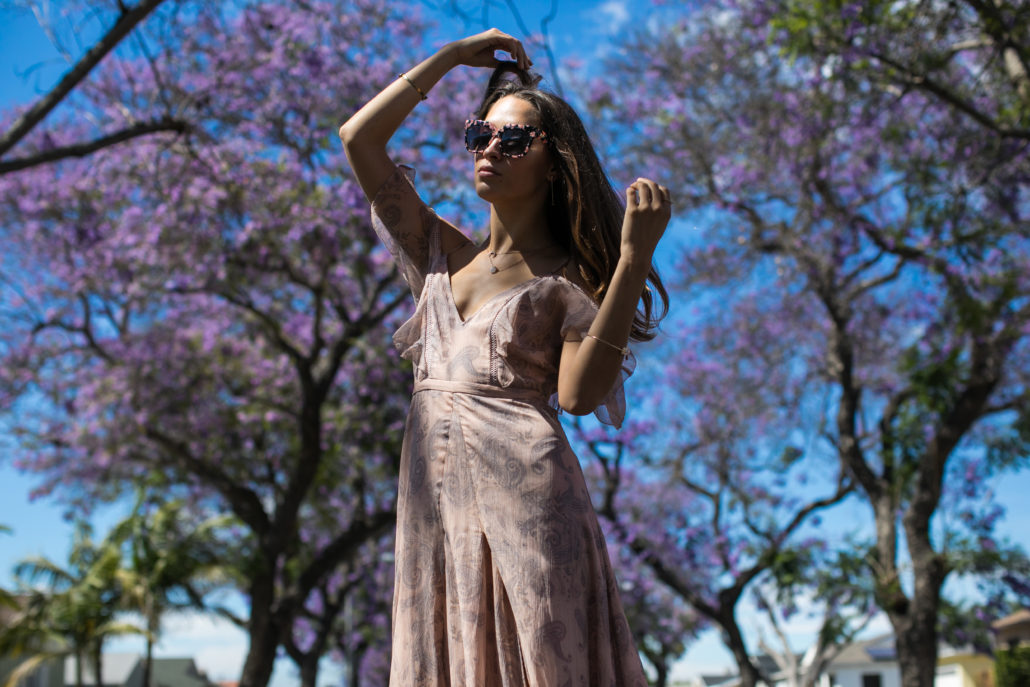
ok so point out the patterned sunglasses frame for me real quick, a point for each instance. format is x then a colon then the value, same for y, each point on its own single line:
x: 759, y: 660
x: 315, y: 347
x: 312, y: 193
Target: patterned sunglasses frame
x: 523, y: 139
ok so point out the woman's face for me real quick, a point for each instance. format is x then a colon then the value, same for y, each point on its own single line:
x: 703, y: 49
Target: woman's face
x: 500, y: 178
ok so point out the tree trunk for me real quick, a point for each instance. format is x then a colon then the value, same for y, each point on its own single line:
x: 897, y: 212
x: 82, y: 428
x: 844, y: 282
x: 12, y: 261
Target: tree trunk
x: 749, y: 675
x: 917, y: 655
x: 913, y: 618
x: 147, y: 666
x: 264, y: 635
x: 917, y: 641
x: 153, y: 625
x: 264, y: 631
x: 98, y: 668
x: 309, y: 670
x: 661, y: 673
x: 354, y: 656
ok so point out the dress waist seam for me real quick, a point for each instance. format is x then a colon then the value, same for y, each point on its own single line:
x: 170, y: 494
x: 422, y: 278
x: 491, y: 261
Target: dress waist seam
x: 480, y: 389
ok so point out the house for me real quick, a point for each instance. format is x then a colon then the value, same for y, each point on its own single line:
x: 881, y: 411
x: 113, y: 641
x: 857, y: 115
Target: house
x: 765, y: 663
x: 874, y: 663
x: 1012, y: 631
x: 126, y: 670
x: 865, y: 663
x: 117, y: 670
x: 178, y: 672
x: 963, y: 667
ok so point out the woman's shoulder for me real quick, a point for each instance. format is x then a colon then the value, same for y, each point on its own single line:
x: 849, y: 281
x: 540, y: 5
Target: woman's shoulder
x: 452, y: 238
x: 399, y: 188
x: 573, y: 285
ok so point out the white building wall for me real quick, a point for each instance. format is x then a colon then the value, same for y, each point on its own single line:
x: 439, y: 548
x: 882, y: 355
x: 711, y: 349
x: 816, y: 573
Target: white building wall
x: 890, y: 675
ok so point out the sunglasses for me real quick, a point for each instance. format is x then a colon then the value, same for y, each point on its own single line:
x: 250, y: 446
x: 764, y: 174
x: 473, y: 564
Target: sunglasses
x: 515, y: 138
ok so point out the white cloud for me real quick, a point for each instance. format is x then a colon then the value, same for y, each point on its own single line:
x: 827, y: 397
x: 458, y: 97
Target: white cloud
x: 218, y: 647
x: 615, y: 13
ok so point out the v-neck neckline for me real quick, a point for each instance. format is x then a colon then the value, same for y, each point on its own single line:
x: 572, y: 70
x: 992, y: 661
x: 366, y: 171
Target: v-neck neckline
x: 491, y: 299
x: 488, y: 301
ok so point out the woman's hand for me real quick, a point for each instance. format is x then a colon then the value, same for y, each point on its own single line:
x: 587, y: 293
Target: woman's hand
x: 478, y: 50
x: 648, y: 209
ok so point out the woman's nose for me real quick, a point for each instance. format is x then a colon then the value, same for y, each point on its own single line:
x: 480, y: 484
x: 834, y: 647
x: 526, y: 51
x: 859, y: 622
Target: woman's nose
x: 493, y: 148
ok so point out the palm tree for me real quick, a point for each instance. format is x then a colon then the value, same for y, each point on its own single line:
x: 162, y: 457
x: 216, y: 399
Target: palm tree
x: 167, y: 557
x: 73, y: 614
x: 7, y: 598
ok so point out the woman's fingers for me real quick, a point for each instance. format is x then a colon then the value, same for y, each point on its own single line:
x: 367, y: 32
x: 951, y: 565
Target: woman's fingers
x: 483, y: 45
x: 514, y: 47
x: 648, y: 210
x: 523, y: 58
x: 644, y: 193
x: 632, y: 196
x: 645, y: 190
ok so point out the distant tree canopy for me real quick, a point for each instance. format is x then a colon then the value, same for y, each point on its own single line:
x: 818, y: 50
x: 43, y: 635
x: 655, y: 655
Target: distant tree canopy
x: 191, y: 298
x: 859, y: 179
x: 1012, y: 666
x: 205, y: 308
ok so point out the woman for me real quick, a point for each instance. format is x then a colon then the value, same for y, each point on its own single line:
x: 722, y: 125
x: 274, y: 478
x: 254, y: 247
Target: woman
x: 502, y: 573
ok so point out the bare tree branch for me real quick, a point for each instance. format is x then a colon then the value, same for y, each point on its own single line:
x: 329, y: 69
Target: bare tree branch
x: 126, y: 22
x: 925, y: 83
x: 83, y: 149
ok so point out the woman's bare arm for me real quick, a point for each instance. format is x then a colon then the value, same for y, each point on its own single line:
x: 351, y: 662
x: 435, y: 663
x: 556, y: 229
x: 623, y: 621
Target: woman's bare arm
x: 367, y: 132
x: 588, y: 368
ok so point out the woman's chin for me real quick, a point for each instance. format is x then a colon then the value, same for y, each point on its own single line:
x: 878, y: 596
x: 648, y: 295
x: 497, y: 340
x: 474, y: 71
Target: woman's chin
x: 487, y: 191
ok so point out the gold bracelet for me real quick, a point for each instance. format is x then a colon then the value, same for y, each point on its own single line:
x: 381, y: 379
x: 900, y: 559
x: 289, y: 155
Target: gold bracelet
x: 624, y: 350
x: 417, y: 89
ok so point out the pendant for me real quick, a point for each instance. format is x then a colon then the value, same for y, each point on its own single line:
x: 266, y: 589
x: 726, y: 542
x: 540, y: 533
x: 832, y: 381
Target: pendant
x: 493, y: 270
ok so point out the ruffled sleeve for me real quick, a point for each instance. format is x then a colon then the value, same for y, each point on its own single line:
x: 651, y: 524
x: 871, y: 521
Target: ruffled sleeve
x: 580, y: 311
x: 406, y: 226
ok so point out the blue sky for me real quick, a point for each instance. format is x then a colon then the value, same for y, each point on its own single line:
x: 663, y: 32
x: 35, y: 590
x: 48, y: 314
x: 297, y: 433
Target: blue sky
x: 582, y: 29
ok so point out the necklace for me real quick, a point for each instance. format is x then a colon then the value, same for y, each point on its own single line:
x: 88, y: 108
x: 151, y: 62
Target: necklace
x: 494, y: 269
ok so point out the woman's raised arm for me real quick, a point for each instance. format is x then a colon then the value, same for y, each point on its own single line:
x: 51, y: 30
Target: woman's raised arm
x: 366, y: 133
x: 589, y: 367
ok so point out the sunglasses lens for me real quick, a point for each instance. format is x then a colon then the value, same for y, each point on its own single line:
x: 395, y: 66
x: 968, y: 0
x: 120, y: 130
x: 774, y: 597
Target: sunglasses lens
x: 477, y: 137
x: 515, y: 141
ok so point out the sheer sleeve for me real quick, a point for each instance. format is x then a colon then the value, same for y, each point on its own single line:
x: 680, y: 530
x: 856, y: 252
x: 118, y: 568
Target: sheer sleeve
x: 580, y: 311
x: 406, y: 226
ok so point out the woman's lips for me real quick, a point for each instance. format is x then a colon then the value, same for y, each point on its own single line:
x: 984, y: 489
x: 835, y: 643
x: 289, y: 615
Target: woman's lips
x: 487, y: 173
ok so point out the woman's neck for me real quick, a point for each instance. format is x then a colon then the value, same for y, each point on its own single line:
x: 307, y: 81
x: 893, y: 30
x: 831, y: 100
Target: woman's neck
x: 512, y: 228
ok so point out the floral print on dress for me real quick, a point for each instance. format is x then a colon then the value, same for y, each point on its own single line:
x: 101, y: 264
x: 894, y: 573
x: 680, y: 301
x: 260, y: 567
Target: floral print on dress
x: 503, y: 578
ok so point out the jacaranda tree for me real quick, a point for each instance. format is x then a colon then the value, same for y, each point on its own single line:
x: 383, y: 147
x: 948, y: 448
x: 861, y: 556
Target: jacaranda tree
x: 712, y: 504
x: 662, y: 621
x: 864, y: 243
x: 207, y: 308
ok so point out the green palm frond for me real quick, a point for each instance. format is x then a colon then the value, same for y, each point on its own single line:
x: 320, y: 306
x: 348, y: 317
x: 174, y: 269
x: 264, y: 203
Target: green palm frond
x: 29, y: 665
x: 121, y: 629
x: 39, y: 568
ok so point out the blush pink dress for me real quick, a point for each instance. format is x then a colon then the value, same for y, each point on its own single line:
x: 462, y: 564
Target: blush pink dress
x: 502, y: 574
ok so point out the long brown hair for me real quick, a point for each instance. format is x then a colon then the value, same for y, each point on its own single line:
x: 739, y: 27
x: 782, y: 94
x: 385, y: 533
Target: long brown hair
x: 586, y: 215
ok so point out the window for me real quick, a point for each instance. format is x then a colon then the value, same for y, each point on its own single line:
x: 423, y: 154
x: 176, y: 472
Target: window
x: 871, y: 680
